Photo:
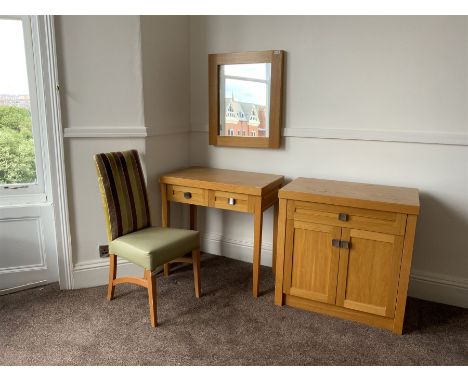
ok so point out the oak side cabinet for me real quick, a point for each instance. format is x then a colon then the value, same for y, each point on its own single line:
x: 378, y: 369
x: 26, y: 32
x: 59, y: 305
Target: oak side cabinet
x: 345, y: 249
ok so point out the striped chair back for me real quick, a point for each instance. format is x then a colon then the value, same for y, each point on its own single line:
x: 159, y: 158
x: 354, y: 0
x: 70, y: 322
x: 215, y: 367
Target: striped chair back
x: 123, y: 192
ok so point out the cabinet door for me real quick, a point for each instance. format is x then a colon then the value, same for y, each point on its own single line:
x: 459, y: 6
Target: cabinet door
x: 311, y: 262
x: 368, y: 271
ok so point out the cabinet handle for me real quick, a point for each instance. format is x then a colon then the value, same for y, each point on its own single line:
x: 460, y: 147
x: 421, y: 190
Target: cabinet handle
x: 343, y: 217
x: 336, y: 243
x: 231, y: 201
x: 345, y: 244
x: 187, y: 195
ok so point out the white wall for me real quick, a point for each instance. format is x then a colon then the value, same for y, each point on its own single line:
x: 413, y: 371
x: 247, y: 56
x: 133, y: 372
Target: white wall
x: 113, y: 98
x: 166, y: 70
x: 165, y: 62
x: 402, y: 77
x: 99, y: 58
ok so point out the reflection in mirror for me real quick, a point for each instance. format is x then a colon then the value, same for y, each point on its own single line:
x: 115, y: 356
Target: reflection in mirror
x: 244, y: 102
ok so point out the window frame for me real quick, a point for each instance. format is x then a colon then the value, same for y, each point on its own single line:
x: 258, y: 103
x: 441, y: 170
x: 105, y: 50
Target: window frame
x: 26, y: 193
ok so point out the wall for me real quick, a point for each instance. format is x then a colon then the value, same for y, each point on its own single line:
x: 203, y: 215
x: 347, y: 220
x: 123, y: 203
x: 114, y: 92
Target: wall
x: 112, y: 100
x: 100, y: 63
x: 165, y: 63
x: 375, y: 84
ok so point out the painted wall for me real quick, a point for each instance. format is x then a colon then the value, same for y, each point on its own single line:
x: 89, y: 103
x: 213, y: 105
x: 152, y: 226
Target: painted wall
x: 400, y: 76
x: 115, y: 73
x: 165, y: 56
x: 100, y: 69
x: 165, y: 63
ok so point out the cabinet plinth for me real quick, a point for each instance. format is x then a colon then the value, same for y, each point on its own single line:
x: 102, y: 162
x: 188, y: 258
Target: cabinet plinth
x: 345, y: 249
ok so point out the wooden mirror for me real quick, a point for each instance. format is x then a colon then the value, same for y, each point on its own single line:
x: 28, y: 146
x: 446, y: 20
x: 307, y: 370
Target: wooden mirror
x: 245, y: 98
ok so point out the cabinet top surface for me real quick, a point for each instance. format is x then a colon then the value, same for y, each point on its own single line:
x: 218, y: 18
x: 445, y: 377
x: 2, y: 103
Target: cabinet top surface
x: 371, y: 196
x: 224, y: 180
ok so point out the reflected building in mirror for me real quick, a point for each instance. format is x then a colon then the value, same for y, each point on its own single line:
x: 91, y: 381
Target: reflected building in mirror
x: 243, y: 119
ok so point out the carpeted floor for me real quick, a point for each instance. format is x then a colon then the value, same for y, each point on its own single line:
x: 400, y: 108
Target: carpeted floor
x: 46, y: 326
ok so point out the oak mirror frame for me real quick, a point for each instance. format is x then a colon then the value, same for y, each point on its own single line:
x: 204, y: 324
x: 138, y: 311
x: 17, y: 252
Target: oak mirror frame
x: 246, y: 99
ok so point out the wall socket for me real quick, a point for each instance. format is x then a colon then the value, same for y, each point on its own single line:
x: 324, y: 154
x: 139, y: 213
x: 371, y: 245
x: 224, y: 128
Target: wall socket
x: 103, y: 251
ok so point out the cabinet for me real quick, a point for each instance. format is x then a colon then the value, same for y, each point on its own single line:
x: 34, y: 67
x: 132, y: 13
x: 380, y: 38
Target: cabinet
x: 345, y: 249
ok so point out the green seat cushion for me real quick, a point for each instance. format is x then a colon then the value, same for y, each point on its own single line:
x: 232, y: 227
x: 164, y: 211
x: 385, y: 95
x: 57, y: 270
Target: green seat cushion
x: 154, y: 246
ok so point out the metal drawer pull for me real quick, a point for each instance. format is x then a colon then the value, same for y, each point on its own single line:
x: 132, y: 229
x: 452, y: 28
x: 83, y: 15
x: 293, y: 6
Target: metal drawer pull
x: 336, y: 243
x: 345, y: 244
x: 231, y: 201
x: 187, y: 195
x: 343, y: 217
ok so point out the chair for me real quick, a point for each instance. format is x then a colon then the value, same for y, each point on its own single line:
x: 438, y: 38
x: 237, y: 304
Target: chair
x: 129, y: 229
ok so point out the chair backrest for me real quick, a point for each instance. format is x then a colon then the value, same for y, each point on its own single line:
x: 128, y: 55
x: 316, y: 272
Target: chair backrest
x: 123, y: 192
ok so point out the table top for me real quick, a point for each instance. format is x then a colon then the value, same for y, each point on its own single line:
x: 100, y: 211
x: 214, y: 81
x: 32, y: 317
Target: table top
x: 245, y: 182
x: 370, y: 196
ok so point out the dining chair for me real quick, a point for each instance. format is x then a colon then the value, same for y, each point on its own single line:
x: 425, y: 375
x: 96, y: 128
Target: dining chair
x: 129, y: 230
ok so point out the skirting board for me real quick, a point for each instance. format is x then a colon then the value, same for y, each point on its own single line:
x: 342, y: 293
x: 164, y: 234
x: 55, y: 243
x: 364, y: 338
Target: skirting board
x: 95, y: 273
x: 216, y: 244
x: 439, y: 288
x: 423, y: 285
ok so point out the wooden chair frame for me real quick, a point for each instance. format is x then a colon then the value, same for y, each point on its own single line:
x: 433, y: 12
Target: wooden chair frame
x: 149, y: 281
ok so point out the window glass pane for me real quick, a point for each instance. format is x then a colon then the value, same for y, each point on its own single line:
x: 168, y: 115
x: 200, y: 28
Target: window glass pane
x: 256, y: 71
x: 17, y: 156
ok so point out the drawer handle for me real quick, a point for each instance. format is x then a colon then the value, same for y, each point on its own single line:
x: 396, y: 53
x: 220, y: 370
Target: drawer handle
x: 336, y: 243
x: 343, y: 217
x: 231, y: 201
x: 187, y: 195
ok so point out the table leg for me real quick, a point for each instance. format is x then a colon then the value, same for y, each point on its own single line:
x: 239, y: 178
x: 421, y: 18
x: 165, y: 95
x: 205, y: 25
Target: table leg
x: 275, y: 236
x: 165, y: 216
x: 258, y: 222
x: 193, y: 216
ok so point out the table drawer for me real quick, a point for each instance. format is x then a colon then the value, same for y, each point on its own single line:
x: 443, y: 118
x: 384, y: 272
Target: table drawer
x: 189, y: 195
x: 231, y: 201
x: 349, y: 217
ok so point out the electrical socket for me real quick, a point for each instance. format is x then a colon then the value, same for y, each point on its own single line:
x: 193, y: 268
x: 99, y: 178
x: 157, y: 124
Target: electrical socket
x: 103, y: 251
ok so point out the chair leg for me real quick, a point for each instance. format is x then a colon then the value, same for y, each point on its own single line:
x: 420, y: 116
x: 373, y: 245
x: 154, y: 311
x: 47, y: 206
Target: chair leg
x: 112, y: 274
x: 196, y: 272
x: 166, y: 269
x: 152, y: 297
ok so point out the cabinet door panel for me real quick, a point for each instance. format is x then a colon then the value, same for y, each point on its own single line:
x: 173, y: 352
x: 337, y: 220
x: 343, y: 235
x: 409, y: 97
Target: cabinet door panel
x: 368, y: 272
x: 312, y: 271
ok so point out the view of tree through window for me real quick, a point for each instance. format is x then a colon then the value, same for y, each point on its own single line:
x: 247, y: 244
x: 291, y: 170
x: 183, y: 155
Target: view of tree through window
x: 17, y: 157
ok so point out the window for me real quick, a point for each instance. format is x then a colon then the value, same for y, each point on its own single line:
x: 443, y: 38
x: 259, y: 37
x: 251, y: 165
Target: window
x: 238, y: 132
x: 253, y: 133
x: 231, y: 132
x: 20, y: 150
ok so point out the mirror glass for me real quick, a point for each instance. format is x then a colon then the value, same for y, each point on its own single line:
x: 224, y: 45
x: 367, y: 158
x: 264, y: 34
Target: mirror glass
x: 244, y: 100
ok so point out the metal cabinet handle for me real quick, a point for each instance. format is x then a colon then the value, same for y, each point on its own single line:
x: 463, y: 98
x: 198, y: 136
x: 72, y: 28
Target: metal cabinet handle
x: 345, y: 244
x: 336, y: 243
x: 343, y: 217
x: 187, y: 195
x: 231, y: 201
x: 341, y: 244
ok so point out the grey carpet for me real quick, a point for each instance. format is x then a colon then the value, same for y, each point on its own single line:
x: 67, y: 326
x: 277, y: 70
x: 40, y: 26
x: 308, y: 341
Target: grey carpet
x: 46, y: 326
